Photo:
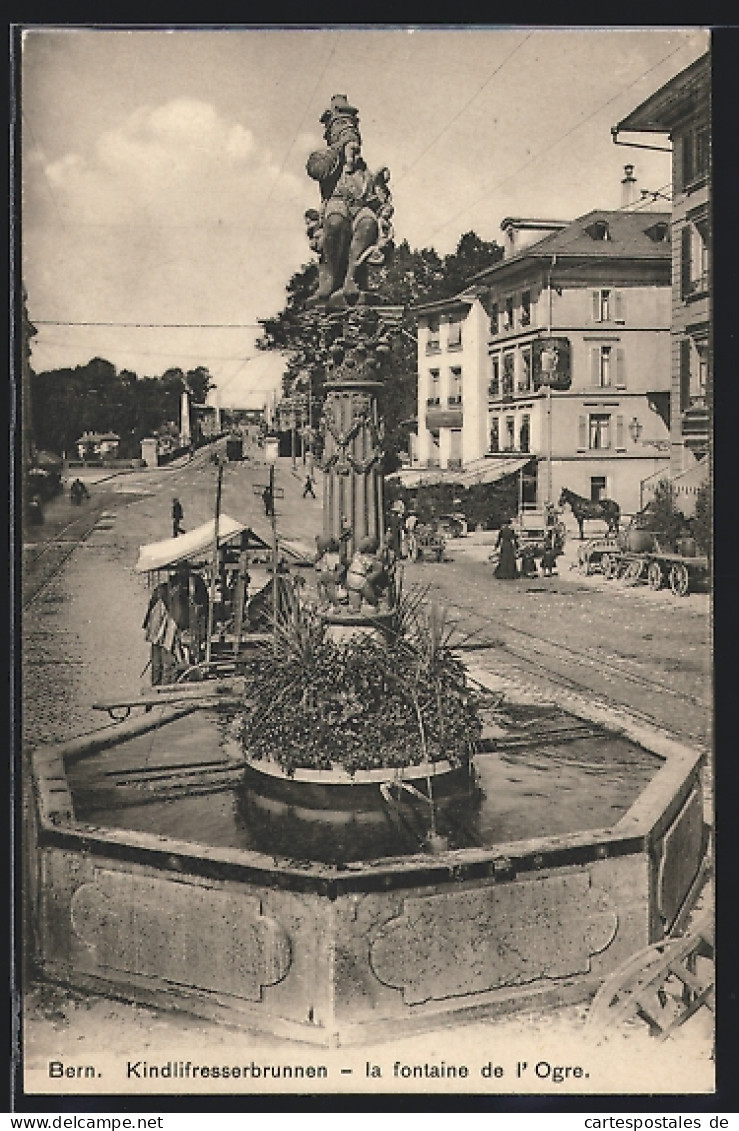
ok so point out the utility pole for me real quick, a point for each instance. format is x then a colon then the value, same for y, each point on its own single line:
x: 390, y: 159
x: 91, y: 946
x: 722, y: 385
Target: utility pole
x: 214, y: 564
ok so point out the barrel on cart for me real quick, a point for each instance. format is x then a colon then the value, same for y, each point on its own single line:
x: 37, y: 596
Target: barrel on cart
x: 645, y: 556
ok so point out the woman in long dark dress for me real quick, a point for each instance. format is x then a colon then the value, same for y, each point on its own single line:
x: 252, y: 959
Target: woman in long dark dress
x: 507, y: 543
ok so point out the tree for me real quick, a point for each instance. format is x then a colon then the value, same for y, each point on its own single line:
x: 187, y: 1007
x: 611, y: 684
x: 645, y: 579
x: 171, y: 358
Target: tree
x: 95, y: 398
x: 410, y: 279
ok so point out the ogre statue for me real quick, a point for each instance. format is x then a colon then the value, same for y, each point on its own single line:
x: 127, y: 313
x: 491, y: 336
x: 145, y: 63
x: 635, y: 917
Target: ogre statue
x: 353, y: 226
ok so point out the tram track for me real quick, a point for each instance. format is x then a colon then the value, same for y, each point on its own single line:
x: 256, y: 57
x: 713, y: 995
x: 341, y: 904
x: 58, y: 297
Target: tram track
x: 540, y: 658
x: 35, y: 586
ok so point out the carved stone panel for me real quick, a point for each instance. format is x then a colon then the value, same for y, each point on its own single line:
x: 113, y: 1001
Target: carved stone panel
x: 187, y: 934
x: 682, y: 849
x: 512, y: 934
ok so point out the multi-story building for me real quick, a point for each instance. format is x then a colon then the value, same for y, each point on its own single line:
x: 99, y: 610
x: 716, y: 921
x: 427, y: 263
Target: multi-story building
x: 558, y: 356
x: 681, y: 109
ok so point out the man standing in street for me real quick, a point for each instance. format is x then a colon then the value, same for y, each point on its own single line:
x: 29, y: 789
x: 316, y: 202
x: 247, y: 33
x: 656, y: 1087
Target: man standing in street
x: 308, y: 487
x: 177, y: 516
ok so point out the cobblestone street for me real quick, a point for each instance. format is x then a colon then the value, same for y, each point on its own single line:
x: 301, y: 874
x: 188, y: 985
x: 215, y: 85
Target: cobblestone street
x: 82, y: 640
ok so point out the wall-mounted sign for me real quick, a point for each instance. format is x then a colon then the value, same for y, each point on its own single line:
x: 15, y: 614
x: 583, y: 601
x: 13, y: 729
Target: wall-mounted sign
x: 551, y: 357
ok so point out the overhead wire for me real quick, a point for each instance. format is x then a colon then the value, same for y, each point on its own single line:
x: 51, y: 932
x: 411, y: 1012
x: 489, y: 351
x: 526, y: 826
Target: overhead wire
x: 557, y: 140
x: 461, y: 111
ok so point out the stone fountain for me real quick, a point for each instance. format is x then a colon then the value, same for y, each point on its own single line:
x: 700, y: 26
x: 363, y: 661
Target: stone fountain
x: 337, y: 950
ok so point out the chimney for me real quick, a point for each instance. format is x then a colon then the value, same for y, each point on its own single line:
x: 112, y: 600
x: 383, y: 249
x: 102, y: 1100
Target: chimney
x: 628, y: 187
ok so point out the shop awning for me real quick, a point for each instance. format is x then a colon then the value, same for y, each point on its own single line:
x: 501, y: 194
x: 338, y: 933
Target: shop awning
x: 193, y: 544
x: 481, y: 471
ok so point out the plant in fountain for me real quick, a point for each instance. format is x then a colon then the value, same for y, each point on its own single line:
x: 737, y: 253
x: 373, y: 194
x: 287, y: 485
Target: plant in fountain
x: 362, y: 703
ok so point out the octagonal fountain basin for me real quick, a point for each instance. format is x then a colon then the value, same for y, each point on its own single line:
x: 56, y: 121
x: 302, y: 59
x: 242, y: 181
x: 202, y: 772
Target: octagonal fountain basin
x: 167, y: 869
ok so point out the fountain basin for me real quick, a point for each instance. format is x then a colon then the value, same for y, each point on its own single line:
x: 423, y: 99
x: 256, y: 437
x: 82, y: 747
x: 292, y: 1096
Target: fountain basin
x: 336, y: 954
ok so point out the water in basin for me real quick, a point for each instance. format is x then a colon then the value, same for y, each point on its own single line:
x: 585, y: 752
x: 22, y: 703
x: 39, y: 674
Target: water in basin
x: 183, y: 780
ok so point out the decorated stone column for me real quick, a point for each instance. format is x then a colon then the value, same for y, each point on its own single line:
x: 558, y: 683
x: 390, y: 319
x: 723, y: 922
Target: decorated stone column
x: 351, y: 232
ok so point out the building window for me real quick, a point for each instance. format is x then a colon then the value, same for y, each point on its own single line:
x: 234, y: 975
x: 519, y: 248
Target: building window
x: 432, y: 342
x: 510, y: 433
x: 526, y: 308
x: 695, y: 260
x: 455, y: 387
x: 698, y: 389
x: 433, y: 397
x: 693, y: 373
x: 494, y: 318
x: 494, y: 434
x: 508, y: 371
x: 454, y: 340
x: 659, y: 232
x: 524, y: 435
x: 599, y: 230
x: 608, y: 305
x: 695, y: 150
x: 524, y: 384
x: 508, y: 316
x: 597, y: 488
x: 494, y: 386
x: 599, y: 431
x: 607, y: 367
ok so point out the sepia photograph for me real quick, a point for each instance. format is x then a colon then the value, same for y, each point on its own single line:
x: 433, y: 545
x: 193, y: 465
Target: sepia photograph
x: 364, y: 533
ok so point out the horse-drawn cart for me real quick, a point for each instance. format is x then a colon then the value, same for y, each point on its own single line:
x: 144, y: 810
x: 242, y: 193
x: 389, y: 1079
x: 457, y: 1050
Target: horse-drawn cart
x: 429, y: 543
x: 642, y: 558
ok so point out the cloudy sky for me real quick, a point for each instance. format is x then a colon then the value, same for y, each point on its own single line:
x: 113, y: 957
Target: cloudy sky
x: 163, y: 172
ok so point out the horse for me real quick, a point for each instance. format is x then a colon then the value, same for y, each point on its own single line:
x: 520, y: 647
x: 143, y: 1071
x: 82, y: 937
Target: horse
x: 583, y: 508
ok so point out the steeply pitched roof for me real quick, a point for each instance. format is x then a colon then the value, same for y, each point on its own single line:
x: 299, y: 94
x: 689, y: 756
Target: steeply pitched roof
x: 659, y: 112
x: 627, y: 232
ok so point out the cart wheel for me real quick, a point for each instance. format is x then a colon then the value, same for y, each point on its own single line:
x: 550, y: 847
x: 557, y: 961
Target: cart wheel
x: 655, y: 576
x: 633, y: 572
x: 679, y: 579
x: 609, y: 565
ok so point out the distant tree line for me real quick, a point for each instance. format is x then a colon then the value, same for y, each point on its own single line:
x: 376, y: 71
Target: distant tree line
x: 95, y: 397
x: 411, y: 278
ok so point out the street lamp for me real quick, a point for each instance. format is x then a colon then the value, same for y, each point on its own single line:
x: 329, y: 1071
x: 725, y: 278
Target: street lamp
x: 635, y: 430
x: 271, y: 454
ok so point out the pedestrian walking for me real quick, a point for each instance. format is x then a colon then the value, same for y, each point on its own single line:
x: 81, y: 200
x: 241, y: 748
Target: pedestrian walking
x: 177, y: 516
x: 269, y: 505
x: 549, y: 557
x: 507, y: 543
x: 308, y: 487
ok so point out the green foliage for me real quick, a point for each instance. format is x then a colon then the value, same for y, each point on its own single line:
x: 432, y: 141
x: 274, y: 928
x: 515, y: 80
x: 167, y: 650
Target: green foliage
x: 95, y: 398
x: 360, y: 704
x: 484, y: 504
x: 663, y: 516
x: 410, y: 278
x: 702, y: 523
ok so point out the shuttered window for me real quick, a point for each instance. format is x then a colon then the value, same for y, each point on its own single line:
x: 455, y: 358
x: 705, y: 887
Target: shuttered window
x: 619, y: 306
x: 596, y: 306
x: 582, y: 433
x: 620, y: 368
x: 685, y: 261
x: 595, y: 365
x: 620, y: 443
x: 684, y: 374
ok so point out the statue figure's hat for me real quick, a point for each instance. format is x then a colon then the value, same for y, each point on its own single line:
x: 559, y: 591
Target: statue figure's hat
x: 340, y: 120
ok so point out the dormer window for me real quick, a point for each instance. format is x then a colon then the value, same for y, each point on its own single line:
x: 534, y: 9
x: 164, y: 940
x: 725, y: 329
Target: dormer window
x: 454, y: 341
x: 659, y: 232
x: 599, y: 230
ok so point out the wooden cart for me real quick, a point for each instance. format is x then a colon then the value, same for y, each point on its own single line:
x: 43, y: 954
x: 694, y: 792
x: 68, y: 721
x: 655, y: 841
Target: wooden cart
x: 657, y: 567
